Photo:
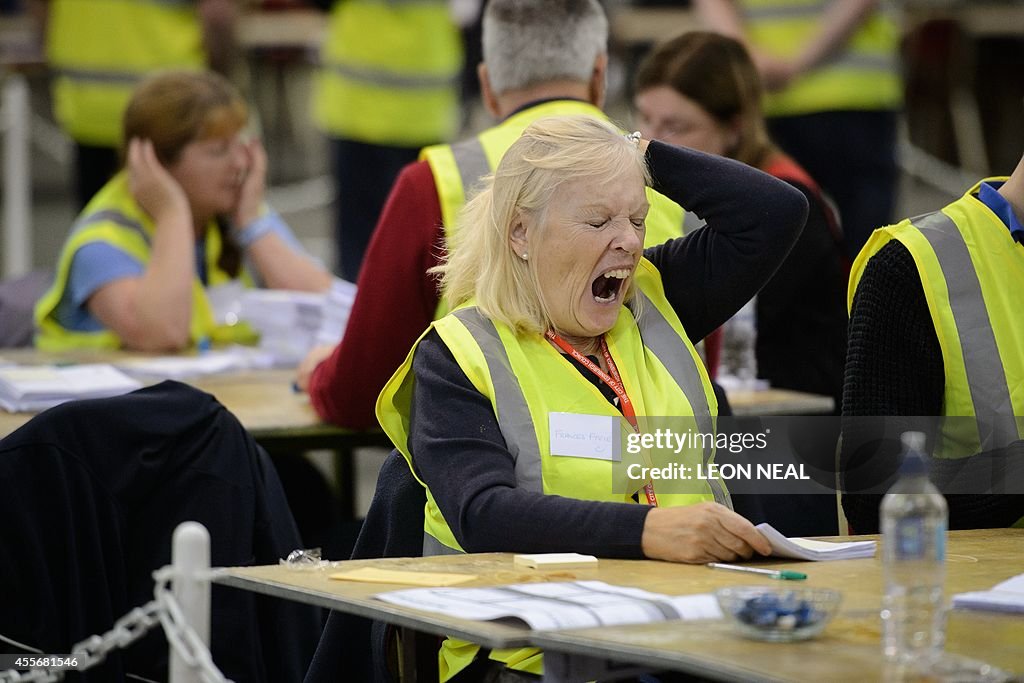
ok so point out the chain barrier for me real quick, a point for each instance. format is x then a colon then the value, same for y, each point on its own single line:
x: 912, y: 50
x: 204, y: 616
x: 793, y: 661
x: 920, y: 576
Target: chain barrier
x: 163, y: 609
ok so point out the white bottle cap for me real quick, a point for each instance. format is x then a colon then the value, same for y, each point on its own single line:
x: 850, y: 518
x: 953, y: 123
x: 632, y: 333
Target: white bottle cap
x: 913, y: 441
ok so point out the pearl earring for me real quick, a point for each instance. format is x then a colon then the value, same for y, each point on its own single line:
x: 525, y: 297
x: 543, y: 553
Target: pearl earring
x: 524, y: 256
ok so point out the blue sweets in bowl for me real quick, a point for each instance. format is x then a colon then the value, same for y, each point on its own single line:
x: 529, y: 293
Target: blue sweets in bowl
x: 776, y: 613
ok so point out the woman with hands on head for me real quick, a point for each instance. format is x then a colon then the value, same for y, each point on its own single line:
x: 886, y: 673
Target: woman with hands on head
x: 559, y: 309
x: 186, y: 213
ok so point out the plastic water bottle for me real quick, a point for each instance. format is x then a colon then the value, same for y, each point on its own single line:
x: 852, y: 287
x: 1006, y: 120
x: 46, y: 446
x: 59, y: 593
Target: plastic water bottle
x: 914, y: 520
x: 740, y: 346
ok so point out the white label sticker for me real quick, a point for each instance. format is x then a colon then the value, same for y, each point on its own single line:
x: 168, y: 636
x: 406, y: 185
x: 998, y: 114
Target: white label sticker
x: 583, y: 436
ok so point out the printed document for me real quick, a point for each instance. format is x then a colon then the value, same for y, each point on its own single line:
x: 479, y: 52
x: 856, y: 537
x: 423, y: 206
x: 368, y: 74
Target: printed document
x: 560, y: 605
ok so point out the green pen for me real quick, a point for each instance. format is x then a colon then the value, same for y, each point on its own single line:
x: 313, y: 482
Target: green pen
x: 773, y: 573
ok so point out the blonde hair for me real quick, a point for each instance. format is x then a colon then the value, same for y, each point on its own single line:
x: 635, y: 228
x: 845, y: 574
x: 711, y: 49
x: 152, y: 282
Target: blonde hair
x: 481, y: 263
x: 716, y: 72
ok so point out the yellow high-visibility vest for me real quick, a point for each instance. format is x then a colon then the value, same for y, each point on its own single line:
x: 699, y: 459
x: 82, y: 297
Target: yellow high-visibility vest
x: 527, y: 379
x: 99, y: 50
x: 972, y: 273
x: 115, y: 218
x: 865, y: 75
x: 389, y: 73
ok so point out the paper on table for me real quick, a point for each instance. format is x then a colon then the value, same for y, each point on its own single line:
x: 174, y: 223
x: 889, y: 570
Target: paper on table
x: 542, y: 606
x: 1007, y: 596
x: 179, y: 367
x: 37, y: 387
x: 555, y: 561
x: 410, y: 578
x: 815, y: 551
x: 230, y: 359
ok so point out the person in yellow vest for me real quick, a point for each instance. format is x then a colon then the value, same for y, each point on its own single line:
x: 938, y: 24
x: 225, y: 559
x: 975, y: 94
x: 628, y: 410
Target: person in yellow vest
x: 563, y: 324
x: 187, y: 213
x: 541, y: 58
x: 936, y: 330
x: 99, y: 51
x: 831, y: 68
x: 388, y: 85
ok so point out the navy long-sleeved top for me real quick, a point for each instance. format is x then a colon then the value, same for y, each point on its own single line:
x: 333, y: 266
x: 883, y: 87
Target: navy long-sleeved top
x: 457, y: 446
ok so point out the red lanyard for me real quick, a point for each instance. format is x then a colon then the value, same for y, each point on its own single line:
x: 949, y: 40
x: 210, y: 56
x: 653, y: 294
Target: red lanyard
x: 614, y: 382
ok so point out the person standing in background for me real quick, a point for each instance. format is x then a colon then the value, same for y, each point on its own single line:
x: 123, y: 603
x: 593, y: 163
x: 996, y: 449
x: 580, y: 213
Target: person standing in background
x: 388, y: 85
x: 99, y: 50
x: 831, y: 70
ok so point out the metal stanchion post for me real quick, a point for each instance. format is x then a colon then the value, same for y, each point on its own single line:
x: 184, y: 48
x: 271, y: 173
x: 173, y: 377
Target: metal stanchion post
x: 190, y: 555
x: 17, y: 240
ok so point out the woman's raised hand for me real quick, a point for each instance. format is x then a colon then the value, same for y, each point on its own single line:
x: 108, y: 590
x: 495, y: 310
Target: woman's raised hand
x: 156, y: 190
x: 705, y: 532
x: 254, y: 185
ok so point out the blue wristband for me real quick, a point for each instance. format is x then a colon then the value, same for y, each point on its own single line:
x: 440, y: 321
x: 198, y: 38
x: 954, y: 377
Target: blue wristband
x: 257, y: 228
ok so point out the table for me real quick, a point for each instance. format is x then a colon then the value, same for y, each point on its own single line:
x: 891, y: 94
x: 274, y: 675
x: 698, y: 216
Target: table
x: 298, y: 28
x: 848, y: 650
x: 764, y: 402
x: 262, y: 400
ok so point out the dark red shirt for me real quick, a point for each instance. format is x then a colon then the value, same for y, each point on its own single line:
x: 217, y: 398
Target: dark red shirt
x: 395, y: 302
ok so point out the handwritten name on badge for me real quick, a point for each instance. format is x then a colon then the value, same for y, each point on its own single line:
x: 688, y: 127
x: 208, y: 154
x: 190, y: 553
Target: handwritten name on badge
x: 583, y: 436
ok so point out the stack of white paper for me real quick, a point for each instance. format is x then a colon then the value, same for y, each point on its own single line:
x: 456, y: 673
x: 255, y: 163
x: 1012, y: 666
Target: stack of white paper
x: 179, y: 367
x: 336, y: 310
x: 1007, y: 596
x: 815, y: 551
x: 287, y: 321
x: 32, y: 388
x: 233, y: 358
x: 574, y: 604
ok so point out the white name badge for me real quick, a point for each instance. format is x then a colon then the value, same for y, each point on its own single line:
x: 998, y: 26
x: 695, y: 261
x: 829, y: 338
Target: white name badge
x: 584, y: 436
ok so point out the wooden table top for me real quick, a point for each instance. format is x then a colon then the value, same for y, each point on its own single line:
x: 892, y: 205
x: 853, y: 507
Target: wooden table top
x: 265, y: 404
x: 977, y: 560
x: 849, y: 648
x: 262, y: 400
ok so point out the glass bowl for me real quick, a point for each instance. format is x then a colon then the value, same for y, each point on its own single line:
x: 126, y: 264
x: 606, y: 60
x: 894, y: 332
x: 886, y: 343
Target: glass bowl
x: 778, y: 613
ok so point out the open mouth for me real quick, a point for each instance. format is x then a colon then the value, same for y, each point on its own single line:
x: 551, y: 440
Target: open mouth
x: 606, y: 287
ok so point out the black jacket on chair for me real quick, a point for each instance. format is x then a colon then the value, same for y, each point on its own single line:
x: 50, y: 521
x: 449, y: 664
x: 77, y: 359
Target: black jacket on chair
x: 90, y: 495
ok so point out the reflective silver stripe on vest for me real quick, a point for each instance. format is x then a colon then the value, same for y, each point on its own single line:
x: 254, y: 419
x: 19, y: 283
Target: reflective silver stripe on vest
x: 98, y: 76
x: 400, y: 2
x: 471, y: 161
x: 513, y: 414
x: 986, y: 377
x: 864, y: 62
x: 659, y: 337
x: 111, y: 216
x: 432, y: 547
x: 389, y: 79
x: 785, y: 11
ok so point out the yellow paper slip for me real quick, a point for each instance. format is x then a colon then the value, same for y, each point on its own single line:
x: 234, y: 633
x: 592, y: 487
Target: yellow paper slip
x: 372, y: 575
